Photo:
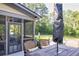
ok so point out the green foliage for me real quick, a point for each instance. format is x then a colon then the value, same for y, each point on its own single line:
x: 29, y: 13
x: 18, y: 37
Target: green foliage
x: 71, y: 23
x: 1, y: 28
x: 71, y: 20
x: 43, y: 25
x: 39, y: 8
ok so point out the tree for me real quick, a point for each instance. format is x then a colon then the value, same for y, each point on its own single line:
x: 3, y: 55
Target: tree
x: 71, y: 23
x: 43, y: 25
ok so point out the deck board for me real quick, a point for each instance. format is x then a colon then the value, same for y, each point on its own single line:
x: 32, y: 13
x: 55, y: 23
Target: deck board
x: 51, y: 51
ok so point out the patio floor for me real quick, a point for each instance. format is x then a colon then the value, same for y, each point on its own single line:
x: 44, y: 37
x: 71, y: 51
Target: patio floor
x: 51, y: 51
x: 21, y: 53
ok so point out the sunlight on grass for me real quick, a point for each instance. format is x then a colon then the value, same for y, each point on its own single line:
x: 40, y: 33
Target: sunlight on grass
x: 46, y: 37
x: 70, y: 38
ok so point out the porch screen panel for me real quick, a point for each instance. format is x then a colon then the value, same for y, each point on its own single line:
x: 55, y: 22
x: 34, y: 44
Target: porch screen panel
x: 28, y: 29
x: 2, y: 35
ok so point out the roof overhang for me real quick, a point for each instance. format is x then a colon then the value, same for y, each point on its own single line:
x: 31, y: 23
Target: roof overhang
x: 27, y: 10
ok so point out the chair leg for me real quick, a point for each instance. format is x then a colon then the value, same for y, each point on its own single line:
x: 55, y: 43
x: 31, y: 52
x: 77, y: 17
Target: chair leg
x: 26, y: 53
x: 39, y: 45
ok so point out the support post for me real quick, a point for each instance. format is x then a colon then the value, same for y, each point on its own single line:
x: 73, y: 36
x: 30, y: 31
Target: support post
x: 22, y: 34
x: 33, y: 28
x: 57, y: 48
x: 6, y: 18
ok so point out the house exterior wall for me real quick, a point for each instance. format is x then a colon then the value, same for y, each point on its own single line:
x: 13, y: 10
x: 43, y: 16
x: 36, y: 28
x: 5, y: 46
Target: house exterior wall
x: 7, y: 8
x: 4, y: 7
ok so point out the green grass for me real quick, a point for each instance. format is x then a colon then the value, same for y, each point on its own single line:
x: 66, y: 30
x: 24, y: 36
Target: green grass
x: 47, y: 37
x: 70, y: 38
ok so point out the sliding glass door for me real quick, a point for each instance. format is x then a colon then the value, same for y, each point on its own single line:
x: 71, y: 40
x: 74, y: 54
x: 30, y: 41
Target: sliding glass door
x: 2, y: 36
x: 2, y: 39
x: 14, y: 42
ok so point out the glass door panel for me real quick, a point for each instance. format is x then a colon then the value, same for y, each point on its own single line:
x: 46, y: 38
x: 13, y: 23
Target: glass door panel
x: 14, y: 37
x: 2, y: 39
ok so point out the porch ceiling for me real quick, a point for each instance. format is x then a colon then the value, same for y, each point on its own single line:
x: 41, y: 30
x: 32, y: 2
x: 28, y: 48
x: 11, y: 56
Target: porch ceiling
x: 24, y: 10
x: 5, y: 13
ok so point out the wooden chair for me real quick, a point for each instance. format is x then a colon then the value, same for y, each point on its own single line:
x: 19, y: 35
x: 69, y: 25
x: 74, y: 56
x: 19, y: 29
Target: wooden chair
x: 29, y: 46
x: 44, y: 43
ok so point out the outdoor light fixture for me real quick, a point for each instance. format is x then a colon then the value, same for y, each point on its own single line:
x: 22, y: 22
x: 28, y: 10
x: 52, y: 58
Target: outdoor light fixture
x: 58, y: 24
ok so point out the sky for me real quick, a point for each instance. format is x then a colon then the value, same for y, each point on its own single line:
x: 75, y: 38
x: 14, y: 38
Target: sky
x: 66, y: 6
x: 71, y: 6
x: 50, y: 7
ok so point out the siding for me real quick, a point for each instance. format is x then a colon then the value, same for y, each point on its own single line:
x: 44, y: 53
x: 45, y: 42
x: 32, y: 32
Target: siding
x: 7, y: 8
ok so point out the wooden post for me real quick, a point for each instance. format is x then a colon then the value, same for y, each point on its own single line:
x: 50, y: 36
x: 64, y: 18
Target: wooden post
x: 6, y: 18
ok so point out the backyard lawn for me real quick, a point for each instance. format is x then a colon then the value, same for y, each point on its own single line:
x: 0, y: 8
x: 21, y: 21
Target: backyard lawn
x: 50, y: 37
x: 70, y: 38
x: 47, y: 37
